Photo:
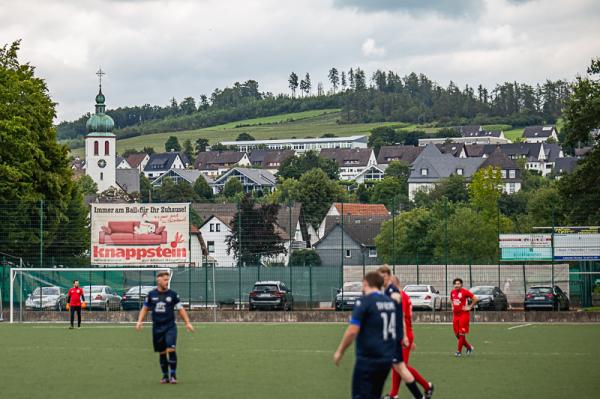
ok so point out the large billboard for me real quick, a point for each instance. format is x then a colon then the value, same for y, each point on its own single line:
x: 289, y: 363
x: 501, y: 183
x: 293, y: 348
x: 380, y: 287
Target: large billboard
x: 525, y: 247
x: 140, y: 234
x: 577, y: 243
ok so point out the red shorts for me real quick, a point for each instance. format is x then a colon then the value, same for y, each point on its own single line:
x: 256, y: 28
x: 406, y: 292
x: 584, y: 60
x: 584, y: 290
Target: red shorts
x: 461, y: 323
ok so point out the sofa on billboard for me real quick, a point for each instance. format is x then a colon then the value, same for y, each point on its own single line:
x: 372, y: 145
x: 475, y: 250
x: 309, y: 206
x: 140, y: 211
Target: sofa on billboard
x: 133, y: 233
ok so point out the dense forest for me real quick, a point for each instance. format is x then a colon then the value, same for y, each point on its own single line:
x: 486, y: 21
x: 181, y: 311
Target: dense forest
x: 386, y: 96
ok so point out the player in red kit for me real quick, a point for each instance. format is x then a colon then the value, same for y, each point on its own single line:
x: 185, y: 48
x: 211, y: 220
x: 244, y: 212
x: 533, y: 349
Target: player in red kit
x: 462, y: 317
x: 75, y: 300
x: 396, y: 380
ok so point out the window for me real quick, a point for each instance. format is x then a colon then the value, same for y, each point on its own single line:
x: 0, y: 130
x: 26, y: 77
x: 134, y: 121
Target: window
x: 212, y: 227
x: 96, y: 146
x: 106, y: 147
x: 424, y: 171
x: 503, y: 173
x: 211, y: 247
x: 460, y: 171
x: 101, y: 175
x: 511, y: 188
x: 348, y: 253
x: 217, y: 227
x: 372, y: 253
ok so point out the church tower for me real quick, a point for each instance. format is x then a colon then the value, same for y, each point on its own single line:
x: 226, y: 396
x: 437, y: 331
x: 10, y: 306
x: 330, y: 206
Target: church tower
x: 100, y: 145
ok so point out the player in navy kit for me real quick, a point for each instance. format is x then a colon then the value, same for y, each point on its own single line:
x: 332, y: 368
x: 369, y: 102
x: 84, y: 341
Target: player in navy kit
x: 373, y: 325
x: 163, y: 302
x: 399, y: 365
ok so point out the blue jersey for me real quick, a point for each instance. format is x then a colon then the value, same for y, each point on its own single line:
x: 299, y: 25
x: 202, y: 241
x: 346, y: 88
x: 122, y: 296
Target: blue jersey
x: 375, y: 314
x: 391, y: 289
x: 163, y: 304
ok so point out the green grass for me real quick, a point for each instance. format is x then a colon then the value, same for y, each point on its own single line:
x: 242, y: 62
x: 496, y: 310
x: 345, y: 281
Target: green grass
x: 255, y: 361
x: 514, y: 134
x: 313, y: 123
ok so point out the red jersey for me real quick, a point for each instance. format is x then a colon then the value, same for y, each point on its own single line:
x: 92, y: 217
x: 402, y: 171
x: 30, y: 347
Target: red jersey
x: 407, y: 311
x: 75, y: 295
x: 459, y: 300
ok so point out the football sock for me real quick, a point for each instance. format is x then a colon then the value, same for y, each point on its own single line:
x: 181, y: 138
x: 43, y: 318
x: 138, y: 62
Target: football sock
x: 418, y: 377
x: 467, y: 345
x: 414, y: 389
x: 164, y: 364
x: 395, y: 383
x: 173, y: 362
x: 461, y: 342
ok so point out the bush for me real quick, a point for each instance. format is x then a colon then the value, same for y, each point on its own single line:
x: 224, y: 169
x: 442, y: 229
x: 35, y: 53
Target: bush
x: 305, y: 257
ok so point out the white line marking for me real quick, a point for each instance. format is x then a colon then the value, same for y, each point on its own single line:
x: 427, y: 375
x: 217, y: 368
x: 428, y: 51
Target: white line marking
x: 519, y: 326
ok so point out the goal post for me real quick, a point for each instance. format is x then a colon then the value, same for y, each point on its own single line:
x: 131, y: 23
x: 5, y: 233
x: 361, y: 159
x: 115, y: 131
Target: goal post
x: 105, y: 289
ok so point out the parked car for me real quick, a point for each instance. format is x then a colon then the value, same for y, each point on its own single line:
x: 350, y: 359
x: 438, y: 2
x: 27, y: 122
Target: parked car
x: 134, y: 298
x: 346, y: 298
x: 546, y: 297
x: 102, y: 297
x: 490, y: 298
x: 271, y: 295
x: 46, y: 298
x: 424, y: 297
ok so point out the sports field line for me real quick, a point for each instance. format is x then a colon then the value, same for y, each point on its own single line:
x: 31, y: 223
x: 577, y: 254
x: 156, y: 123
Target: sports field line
x: 519, y: 326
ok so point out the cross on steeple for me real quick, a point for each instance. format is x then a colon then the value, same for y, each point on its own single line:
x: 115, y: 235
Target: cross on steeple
x: 100, y: 73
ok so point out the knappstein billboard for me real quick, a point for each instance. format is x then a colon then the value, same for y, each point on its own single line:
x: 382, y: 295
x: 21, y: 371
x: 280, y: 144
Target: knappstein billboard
x: 140, y: 234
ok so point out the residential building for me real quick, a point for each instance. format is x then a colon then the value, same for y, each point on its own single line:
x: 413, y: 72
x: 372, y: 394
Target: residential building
x: 564, y: 166
x: 540, y: 134
x: 510, y: 171
x: 215, y: 163
x: 158, y: 164
x: 198, y: 250
x: 484, y: 139
x: 352, y: 209
x: 216, y: 227
x: 350, y: 239
x: 138, y: 161
x: 477, y: 131
x: 431, y: 166
x: 269, y: 160
x: 301, y: 145
x: 454, y: 149
x: 252, y: 180
x: 351, y: 161
x: 404, y: 153
x: 122, y: 163
x: 371, y: 173
x: 178, y: 175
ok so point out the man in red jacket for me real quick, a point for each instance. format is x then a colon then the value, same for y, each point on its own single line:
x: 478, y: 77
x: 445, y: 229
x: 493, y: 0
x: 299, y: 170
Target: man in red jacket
x: 75, y: 300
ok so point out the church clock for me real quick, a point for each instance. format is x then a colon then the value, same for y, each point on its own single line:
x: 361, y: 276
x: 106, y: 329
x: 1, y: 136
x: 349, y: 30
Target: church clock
x: 102, y: 163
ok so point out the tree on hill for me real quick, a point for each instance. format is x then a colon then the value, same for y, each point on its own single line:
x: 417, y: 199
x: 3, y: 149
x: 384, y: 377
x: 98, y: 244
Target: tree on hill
x: 485, y: 190
x: 201, y: 145
x: 172, y: 144
x: 293, y: 83
x: 202, y: 189
x: 343, y: 81
x: 296, y: 166
x: 33, y: 167
x: 148, y: 150
x: 334, y: 79
x: 245, y: 137
x: 188, y: 150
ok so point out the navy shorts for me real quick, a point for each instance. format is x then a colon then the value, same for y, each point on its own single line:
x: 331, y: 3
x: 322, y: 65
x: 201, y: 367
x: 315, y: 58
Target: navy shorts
x: 369, y: 378
x: 398, y: 354
x: 164, y: 338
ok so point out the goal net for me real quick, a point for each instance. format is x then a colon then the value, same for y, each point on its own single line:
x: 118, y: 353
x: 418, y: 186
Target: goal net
x: 40, y: 294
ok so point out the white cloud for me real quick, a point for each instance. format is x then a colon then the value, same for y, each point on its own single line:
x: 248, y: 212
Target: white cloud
x: 369, y: 49
x: 157, y: 49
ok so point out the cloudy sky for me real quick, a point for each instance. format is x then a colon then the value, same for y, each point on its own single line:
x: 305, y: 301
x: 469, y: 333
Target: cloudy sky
x: 153, y: 50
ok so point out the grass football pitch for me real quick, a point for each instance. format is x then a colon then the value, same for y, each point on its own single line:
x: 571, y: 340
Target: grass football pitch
x: 256, y: 361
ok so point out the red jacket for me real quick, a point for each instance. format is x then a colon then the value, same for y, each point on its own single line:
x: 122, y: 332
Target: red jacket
x: 75, y: 296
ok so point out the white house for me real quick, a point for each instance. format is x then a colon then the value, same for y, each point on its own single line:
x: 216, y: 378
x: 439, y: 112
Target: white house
x: 540, y: 134
x: 122, y: 163
x: 214, y: 231
x: 251, y: 179
x: 216, y: 163
x: 351, y: 161
x: 158, y: 164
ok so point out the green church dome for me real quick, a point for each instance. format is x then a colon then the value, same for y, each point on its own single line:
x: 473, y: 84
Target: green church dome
x: 100, y: 122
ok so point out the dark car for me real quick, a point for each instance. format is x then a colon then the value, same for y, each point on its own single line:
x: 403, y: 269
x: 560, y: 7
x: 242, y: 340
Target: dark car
x: 271, y: 295
x: 134, y: 298
x: 346, y: 298
x: 490, y: 298
x: 546, y: 297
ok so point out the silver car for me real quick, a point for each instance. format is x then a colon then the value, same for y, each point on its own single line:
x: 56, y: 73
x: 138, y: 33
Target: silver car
x: 102, y: 297
x: 46, y: 298
x: 345, y: 300
x: 424, y: 296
